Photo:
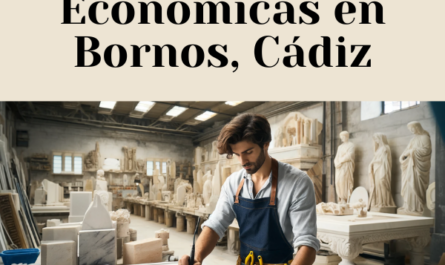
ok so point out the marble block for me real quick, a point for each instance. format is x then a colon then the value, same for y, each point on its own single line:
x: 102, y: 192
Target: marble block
x: 58, y: 252
x: 62, y: 233
x: 52, y: 222
x: 57, y: 233
x: 97, y: 247
x: 97, y: 216
x: 79, y: 203
x: 143, y: 251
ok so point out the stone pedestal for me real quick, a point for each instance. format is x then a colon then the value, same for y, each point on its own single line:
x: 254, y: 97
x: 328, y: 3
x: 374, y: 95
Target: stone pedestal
x: 142, y: 207
x: 155, y: 214
x: 201, y: 221
x: 169, y: 218
x: 151, y: 213
x: 147, y: 213
x: 191, y: 224
x: 79, y: 203
x: 180, y: 223
x: 161, y: 216
x: 135, y: 209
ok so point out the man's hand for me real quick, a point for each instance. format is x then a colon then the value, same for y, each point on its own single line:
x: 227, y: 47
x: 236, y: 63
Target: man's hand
x: 185, y: 261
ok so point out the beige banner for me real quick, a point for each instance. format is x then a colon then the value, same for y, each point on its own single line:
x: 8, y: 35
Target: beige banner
x: 39, y: 54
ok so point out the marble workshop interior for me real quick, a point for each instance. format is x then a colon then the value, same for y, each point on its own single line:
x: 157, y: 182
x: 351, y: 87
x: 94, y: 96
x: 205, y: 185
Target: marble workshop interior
x: 101, y: 194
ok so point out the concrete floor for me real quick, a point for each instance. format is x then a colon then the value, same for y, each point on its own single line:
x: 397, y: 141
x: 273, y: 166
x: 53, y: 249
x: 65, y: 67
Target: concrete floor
x: 181, y: 243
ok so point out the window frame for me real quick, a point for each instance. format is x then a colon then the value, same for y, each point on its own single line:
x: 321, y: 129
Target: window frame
x: 400, y: 109
x: 73, y: 156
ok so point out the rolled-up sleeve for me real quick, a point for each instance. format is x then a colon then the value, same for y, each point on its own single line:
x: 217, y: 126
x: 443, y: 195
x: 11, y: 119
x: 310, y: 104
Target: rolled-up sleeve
x: 223, y: 215
x: 303, y: 214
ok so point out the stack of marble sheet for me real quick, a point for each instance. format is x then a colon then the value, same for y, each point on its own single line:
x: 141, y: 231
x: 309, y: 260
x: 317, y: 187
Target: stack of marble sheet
x: 92, y: 241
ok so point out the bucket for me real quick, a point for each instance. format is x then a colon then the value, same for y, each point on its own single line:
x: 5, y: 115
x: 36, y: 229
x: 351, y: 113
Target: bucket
x: 26, y: 256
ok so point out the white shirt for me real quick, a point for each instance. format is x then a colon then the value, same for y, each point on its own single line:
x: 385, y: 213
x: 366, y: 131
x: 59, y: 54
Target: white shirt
x: 296, y: 204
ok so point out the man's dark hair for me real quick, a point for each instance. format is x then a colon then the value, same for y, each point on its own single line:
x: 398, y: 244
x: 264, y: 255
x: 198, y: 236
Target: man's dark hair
x: 245, y: 127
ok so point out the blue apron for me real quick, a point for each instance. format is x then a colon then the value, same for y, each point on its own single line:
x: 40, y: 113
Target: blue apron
x: 259, y: 226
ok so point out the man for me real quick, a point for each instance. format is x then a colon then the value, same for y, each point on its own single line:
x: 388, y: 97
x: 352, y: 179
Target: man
x: 273, y: 202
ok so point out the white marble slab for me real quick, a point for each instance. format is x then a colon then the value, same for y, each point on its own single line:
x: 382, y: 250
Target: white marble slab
x: 97, y: 216
x: 97, y: 247
x: 373, y: 222
x: 58, y: 252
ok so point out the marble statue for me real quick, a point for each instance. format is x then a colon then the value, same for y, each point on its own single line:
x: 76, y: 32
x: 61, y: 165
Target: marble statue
x: 415, y: 163
x: 198, y: 155
x: 207, y: 189
x: 140, y: 166
x: 216, y: 188
x: 297, y: 129
x: 214, y: 154
x: 344, y: 168
x: 92, y: 159
x: 380, y: 176
x: 101, y: 190
x: 129, y: 159
x: 201, y: 179
x: 226, y: 171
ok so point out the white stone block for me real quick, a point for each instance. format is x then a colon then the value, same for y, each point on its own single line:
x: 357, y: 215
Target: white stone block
x: 61, y: 233
x: 79, y: 203
x: 97, y: 247
x: 97, y: 216
x: 52, y: 222
x: 58, y: 252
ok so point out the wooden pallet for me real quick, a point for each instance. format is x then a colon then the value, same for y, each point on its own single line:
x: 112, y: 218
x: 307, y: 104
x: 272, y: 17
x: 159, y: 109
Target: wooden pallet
x: 11, y: 221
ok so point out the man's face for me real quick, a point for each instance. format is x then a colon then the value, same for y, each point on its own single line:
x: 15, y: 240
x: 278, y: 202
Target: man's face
x: 250, y: 155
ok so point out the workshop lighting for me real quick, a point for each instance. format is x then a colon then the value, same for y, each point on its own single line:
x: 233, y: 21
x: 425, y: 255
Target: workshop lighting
x: 176, y: 111
x: 205, y: 116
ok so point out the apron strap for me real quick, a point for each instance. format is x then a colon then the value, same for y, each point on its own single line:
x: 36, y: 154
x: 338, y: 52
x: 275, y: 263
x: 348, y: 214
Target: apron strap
x: 273, y: 191
x: 239, y: 190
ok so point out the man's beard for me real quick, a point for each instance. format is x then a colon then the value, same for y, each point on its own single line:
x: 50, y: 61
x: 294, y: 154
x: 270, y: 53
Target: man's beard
x: 255, y: 166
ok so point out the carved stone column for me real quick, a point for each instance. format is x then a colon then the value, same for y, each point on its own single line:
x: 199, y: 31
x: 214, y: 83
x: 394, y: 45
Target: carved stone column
x: 417, y: 245
x: 147, y: 212
x: 142, y: 207
x: 191, y: 224
x: 160, y: 216
x: 169, y: 218
x: 155, y: 214
x: 179, y: 223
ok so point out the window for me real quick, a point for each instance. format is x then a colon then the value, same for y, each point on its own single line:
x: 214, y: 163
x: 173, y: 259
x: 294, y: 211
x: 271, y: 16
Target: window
x: 391, y: 106
x: 67, y: 163
x: 164, y: 167
x: 149, y: 168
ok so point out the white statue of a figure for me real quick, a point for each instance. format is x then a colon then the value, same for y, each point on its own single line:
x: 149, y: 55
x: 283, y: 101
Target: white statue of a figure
x: 344, y: 168
x: 380, y: 176
x: 415, y: 163
x: 207, y: 190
